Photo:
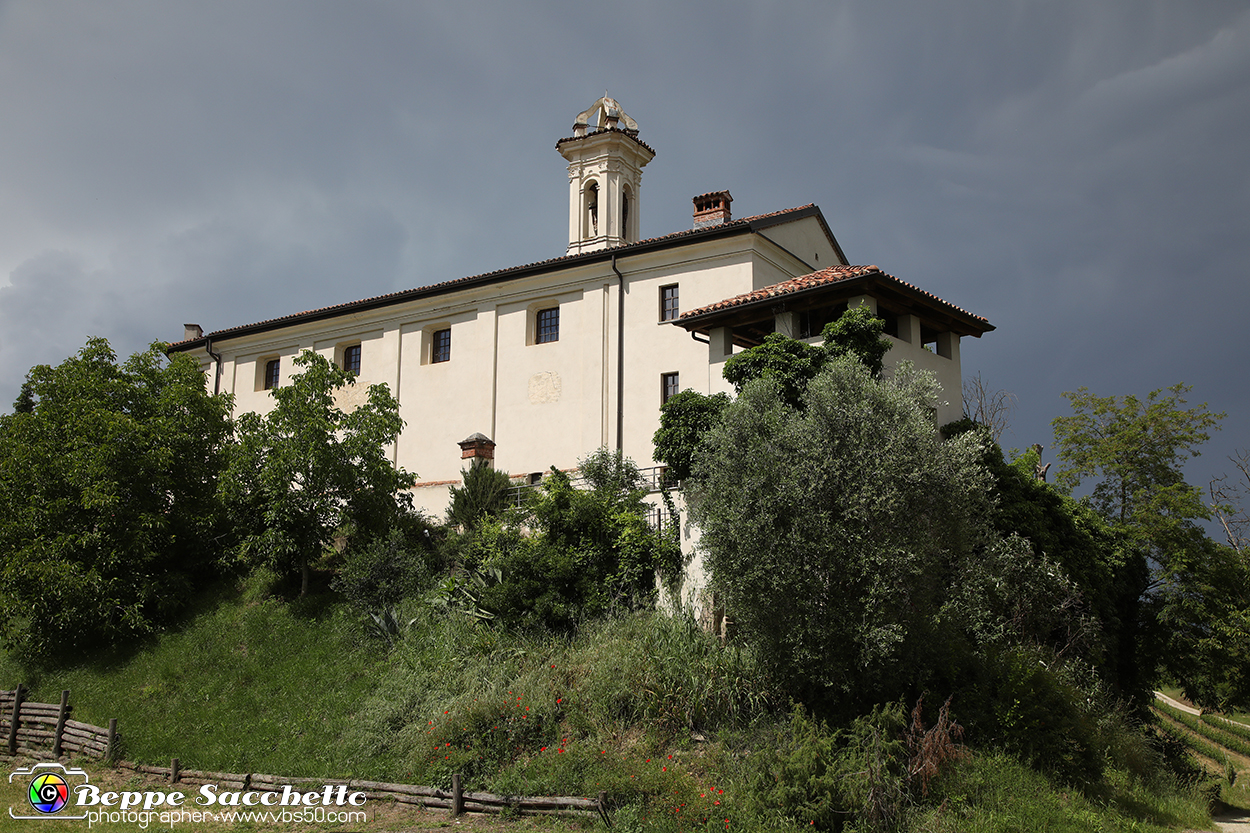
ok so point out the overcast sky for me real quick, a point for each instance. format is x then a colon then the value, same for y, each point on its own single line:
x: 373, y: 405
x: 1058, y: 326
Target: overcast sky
x: 1076, y: 172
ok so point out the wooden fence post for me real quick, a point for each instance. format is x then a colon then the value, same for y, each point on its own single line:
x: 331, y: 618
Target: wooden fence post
x: 60, y: 723
x: 173, y: 771
x: 13, y: 721
x: 457, y: 795
x: 110, y: 753
x: 603, y: 808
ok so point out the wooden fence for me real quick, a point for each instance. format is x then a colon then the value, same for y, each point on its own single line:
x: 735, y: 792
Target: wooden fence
x: 45, y: 726
x: 27, y: 726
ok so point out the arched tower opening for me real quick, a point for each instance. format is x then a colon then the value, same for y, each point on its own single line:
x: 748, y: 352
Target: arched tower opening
x: 590, y: 218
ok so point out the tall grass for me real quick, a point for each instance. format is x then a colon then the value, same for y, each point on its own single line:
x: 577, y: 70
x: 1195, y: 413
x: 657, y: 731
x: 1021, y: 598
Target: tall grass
x: 460, y: 695
x: 995, y: 793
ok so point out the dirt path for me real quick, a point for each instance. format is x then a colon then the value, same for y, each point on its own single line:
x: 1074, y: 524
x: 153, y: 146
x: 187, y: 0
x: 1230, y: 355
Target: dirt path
x: 1177, y: 704
x: 1239, y: 823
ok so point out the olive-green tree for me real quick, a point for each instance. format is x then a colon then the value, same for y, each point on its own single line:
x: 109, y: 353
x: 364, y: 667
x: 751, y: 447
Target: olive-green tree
x: 108, y: 508
x: 851, y: 544
x: 308, y: 470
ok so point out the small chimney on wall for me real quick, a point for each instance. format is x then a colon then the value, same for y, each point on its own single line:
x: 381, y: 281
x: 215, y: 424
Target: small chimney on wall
x: 712, y: 209
x: 478, y: 447
x: 190, y: 332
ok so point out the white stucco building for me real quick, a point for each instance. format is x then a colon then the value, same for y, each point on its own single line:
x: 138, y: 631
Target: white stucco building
x: 552, y: 360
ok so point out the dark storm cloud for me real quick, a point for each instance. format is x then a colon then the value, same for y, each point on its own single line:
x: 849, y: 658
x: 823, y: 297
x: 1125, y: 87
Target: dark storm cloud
x: 1073, y: 171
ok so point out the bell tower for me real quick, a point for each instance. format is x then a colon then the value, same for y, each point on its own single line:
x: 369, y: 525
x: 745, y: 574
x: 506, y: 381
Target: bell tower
x: 606, y: 159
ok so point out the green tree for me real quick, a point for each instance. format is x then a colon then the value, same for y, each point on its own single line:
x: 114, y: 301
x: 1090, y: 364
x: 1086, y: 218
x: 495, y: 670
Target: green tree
x: 108, y: 509
x: 857, y: 333
x: 1135, y: 450
x: 839, y: 533
x: 1204, y: 615
x: 791, y: 364
x: 684, y: 419
x: 483, y: 494
x: 309, y: 470
x: 1110, y: 575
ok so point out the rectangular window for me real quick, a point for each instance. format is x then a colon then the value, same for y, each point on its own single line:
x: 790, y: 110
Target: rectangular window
x: 669, y: 386
x: 272, y: 368
x: 351, y: 359
x: 669, y: 310
x: 440, y: 346
x: 548, y: 326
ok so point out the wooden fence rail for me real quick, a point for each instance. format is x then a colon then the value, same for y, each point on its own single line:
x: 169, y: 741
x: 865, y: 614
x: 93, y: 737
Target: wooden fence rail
x: 42, y: 727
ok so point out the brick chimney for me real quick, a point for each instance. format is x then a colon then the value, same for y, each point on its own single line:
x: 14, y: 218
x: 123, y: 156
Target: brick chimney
x: 190, y: 332
x: 478, y: 447
x: 712, y: 209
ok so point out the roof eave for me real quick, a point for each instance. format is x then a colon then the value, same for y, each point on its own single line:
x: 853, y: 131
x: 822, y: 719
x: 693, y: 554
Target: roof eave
x: 731, y: 229
x: 971, y: 325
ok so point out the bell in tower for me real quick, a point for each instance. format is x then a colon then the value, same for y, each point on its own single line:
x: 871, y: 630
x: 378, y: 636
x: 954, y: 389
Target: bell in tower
x: 606, y: 159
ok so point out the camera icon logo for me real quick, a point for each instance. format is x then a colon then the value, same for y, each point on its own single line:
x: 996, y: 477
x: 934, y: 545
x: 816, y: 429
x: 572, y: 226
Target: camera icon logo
x: 49, y: 790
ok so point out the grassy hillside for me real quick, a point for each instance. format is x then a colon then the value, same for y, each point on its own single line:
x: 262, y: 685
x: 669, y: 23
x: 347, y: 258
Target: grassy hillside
x: 247, y: 686
x: 677, y: 729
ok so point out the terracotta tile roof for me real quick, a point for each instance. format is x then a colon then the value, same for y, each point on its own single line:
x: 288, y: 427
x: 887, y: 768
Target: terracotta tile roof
x: 824, y: 277
x: 490, y: 277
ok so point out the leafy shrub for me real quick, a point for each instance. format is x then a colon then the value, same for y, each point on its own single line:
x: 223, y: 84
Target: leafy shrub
x: 1039, y: 718
x: 387, y: 569
x: 823, y: 778
x: 575, y: 553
